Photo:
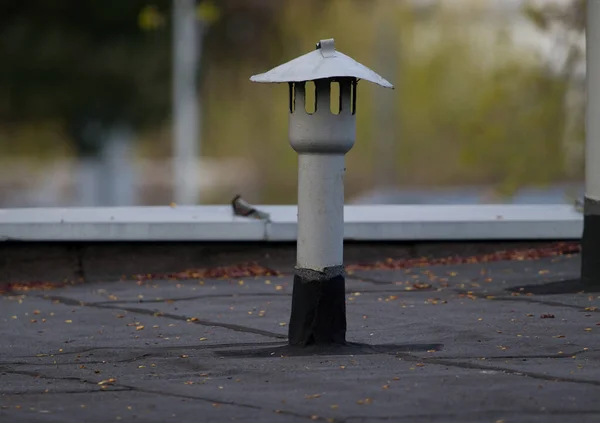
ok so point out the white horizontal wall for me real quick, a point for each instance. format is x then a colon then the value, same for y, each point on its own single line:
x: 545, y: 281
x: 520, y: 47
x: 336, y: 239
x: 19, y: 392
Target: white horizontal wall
x: 362, y: 223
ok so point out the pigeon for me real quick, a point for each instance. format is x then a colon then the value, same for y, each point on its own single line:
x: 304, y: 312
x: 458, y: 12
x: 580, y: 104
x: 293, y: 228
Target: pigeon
x: 242, y: 208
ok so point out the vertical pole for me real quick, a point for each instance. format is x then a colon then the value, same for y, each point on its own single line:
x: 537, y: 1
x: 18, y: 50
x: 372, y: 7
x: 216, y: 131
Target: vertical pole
x: 119, y: 169
x: 185, y: 102
x: 88, y: 177
x: 590, y: 244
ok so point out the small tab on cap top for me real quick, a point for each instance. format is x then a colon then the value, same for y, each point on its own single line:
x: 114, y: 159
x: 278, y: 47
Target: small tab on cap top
x: 327, y: 47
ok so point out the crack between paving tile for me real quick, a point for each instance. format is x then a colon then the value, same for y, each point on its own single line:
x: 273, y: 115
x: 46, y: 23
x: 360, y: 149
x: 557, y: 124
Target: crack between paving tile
x: 222, y: 402
x: 264, y: 294
x: 545, y: 302
x: 24, y: 363
x: 513, y: 357
x: 65, y: 392
x: 39, y: 375
x: 118, y: 387
x: 166, y: 347
x: 473, y: 366
x: 230, y: 326
x: 470, y: 415
x: 197, y: 297
x: 501, y: 296
x: 367, y: 279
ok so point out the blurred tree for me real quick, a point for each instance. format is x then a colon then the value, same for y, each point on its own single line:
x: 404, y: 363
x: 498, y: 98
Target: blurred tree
x: 96, y: 64
x: 470, y: 115
x: 565, y: 23
x: 84, y: 63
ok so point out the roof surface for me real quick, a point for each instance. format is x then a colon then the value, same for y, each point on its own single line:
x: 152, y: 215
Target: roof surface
x: 444, y: 343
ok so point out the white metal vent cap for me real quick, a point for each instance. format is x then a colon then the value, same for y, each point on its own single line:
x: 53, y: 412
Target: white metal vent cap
x: 324, y: 62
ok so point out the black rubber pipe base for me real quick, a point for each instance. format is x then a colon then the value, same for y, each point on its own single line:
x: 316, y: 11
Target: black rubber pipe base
x: 318, y: 310
x: 590, y: 251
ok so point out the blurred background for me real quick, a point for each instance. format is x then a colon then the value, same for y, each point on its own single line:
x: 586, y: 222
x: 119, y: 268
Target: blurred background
x: 144, y: 102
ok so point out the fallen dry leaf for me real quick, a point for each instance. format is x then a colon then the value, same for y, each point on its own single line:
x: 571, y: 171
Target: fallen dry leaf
x: 552, y: 250
x: 252, y: 269
x: 107, y: 381
x: 31, y: 286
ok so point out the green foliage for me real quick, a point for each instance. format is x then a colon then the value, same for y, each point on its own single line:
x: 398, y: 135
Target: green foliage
x: 106, y: 62
x: 58, y: 56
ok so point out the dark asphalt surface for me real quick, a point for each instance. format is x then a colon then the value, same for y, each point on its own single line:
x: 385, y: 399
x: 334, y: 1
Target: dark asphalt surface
x: 447, y: 343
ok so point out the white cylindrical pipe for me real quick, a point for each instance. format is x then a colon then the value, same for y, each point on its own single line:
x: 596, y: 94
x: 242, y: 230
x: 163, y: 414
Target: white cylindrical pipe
x: 592, y: 140
x: 320, y: 211
x: 321, y: 140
